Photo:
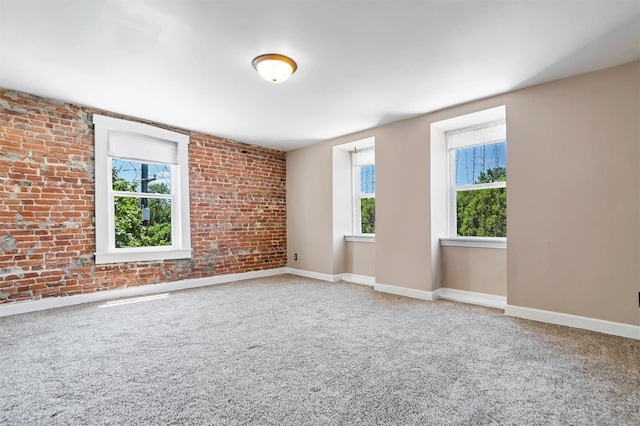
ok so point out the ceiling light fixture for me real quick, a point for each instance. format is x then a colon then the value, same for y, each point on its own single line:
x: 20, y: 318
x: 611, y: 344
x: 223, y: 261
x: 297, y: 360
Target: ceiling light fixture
x: 274, y: 68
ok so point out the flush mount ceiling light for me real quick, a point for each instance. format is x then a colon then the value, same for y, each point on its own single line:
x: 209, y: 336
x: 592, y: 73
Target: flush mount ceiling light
x: 274, y: 68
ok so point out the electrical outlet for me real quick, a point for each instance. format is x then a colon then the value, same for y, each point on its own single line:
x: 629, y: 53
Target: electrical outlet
x: 295, y: 256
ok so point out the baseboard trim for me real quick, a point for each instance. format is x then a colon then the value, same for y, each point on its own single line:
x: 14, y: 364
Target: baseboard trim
x: 365, y: 280
x: 315, y: 275
x: 406, y: 292
x: 472, y: 297
x: 601, y: 326
x: 358, y: 279
x: 59, y: 302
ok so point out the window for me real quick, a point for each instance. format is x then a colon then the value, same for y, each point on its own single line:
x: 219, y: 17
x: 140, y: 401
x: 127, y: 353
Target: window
x: 478, y: 180
x: 142, y: 192
x: 364, y: 191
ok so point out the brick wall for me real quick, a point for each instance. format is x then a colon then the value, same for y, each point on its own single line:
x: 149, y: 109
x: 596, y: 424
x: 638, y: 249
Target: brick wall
x: 47, y: 229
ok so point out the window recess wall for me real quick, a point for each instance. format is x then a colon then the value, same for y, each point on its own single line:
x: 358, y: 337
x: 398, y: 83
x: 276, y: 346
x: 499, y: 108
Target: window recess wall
x: 469, y: 180
x: 353, y: 195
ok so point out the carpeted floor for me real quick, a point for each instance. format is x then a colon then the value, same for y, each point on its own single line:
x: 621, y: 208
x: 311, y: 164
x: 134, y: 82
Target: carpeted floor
x: 291, y: 350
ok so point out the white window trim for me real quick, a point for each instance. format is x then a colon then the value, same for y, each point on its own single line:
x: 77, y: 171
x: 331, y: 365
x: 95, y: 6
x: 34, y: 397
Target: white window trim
x: 452, y: 219
x: 357, y: 195
x: 180, y: 216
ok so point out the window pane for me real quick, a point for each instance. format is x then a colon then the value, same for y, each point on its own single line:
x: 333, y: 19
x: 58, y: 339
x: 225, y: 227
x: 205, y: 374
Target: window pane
x: 368, y: 215
x: 481, y: 164
x: 368, y: 179
x: 132, y: 176
x: 482, y: 213
x: 142, y: 222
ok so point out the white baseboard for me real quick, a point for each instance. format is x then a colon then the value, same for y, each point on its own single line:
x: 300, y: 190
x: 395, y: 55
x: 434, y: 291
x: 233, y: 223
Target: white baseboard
x: 482, y: 299
x: 602, y: 326
x: 315, y: 275
x: 406, y: 292
x: 58, y: 302
x: 365, y: 280
x: 358, y: 279
x: 348, y: 277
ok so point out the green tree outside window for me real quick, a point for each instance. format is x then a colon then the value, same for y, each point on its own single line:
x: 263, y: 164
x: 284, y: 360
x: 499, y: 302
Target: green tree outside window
x: 483, y: 212
x: 130, y: 230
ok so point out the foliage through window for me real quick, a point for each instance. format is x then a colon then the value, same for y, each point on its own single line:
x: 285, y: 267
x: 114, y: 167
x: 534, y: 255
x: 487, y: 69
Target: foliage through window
x: 364, y: 192
x: 141, y: 219
x: 478, y: 176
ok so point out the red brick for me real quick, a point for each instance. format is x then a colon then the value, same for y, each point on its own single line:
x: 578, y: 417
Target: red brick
x: 231, y: 183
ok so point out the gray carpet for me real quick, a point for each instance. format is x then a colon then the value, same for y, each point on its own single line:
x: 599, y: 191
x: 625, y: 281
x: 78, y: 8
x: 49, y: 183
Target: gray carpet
x: 291, y: 350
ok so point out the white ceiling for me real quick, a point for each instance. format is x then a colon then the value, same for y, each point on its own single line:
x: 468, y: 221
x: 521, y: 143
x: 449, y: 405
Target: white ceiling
x: 361, y: 64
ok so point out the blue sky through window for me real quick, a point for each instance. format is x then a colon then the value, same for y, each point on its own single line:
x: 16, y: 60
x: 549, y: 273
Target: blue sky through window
x: 131, y: 171
x: 472, y: 161
x: 368, y: 179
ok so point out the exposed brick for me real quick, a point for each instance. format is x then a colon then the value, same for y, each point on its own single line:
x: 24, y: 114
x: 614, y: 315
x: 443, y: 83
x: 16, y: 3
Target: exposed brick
x: 237, y: 201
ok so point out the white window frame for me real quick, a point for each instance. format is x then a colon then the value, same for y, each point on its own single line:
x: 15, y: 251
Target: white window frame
x: 180, y: 247
x: 451, y: 177
x: 357, y: 195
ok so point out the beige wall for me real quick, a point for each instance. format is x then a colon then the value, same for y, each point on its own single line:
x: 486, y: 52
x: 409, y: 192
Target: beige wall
x: 573, y: 195
x: 309, y: 214
x: 402, y: 205
x: 361, y: 258
x: 482, y: 270
x: 573, y: 199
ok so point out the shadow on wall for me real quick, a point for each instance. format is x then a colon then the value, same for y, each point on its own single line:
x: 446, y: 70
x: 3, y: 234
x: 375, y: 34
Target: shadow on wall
x: 392, y: 118
x: 594, y: 56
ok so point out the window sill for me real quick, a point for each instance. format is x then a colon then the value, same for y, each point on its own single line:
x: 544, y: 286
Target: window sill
x: 478, y: 242
x: 370, y: 238
x: 124, y: 255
